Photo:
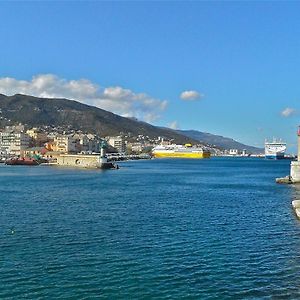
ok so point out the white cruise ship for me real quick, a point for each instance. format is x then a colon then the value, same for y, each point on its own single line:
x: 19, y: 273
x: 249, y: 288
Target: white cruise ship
x: 275, y: 149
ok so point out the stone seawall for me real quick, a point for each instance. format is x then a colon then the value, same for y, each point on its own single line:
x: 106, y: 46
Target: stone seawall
x: 82, y: 161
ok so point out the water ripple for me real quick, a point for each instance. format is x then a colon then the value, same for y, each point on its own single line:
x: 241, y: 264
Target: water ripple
x: 162, y: 229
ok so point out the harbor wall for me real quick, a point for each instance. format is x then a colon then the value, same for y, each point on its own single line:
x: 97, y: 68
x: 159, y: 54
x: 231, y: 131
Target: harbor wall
x: 81, y: 161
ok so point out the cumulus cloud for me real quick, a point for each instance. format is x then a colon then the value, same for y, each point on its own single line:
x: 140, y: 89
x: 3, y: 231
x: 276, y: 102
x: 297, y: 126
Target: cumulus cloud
x: 115, y: 99
x: 190, y: 95
x: 287, y: 112
x: 173, y: 125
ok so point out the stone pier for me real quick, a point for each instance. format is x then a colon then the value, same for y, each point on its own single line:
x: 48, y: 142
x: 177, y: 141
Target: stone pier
x: 83, y: 161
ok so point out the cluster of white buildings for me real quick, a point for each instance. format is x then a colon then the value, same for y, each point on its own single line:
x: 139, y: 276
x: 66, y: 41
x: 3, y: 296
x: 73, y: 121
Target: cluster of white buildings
x: 122, y: 145
x: 13, y: 140
x: 117, y: 142
x: 236, y: 152
x: 74, y: 143
x: 16, y: 141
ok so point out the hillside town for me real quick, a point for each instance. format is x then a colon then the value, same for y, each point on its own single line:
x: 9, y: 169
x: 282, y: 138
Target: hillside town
x: 48, y: 142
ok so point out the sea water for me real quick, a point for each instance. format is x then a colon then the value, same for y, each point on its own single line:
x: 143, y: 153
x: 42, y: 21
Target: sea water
x: 218, y: 228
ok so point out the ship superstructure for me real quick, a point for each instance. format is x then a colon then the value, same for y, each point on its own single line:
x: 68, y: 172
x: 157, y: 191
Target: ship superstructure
x: 275, y: 149
x: 180, y: 151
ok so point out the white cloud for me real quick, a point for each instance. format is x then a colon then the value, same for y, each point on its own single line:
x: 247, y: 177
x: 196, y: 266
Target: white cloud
x: 115, y: 99
x: 190, y: 95
x: 173, y: 125
x: 287, y: 112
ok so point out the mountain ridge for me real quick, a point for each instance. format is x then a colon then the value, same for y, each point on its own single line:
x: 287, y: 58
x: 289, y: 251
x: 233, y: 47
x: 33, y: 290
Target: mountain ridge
x: 219, y: 141
x: 36, y: 111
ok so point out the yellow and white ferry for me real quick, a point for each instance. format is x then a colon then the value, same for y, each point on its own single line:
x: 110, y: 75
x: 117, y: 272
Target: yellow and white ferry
x: 179, y: 151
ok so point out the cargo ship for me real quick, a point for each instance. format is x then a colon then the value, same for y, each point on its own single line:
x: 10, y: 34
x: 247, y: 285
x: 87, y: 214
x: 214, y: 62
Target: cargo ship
x: 22, y: 161
x: 275, y: 149
x: 179, y: 151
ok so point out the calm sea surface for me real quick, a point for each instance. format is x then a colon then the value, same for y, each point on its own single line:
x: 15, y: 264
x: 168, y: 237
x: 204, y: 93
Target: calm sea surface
x: 157, y: 229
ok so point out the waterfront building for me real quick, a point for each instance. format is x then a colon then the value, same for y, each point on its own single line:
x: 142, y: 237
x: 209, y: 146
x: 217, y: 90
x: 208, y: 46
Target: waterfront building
x: 64, y: 144
x: 74, y: 143
x: 14, y: 143
x: 244, y: 152
x: 87, y: 143
x: 233, y: 152
x: 117, y: 142
x: 136, y: 147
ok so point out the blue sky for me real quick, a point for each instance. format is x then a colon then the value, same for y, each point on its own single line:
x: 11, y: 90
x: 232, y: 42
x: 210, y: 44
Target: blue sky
x: 242, y: 57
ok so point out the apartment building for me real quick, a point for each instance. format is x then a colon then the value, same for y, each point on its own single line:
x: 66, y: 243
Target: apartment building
x: 14, y: 143
x: 64, y: 144
x: 117, y: 142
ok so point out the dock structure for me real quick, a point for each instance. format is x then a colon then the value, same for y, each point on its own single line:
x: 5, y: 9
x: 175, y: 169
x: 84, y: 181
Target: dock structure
x: 85, y: 161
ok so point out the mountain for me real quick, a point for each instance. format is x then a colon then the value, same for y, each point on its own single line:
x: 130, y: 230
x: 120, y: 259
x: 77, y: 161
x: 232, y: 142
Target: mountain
x: 64, y: 113
x: 70, y: 114
x: 218, y: 141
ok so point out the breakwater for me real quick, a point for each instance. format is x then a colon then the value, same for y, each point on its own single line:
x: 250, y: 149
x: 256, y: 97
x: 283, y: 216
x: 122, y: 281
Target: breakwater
x: 83, y: 161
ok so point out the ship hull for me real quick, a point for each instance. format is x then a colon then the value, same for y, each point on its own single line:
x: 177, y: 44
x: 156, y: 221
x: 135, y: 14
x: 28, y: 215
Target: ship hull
x: 21, y: 162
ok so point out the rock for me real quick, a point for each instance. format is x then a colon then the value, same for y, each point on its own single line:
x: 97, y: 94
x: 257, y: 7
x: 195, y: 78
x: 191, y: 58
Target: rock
x: 286, y: 180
